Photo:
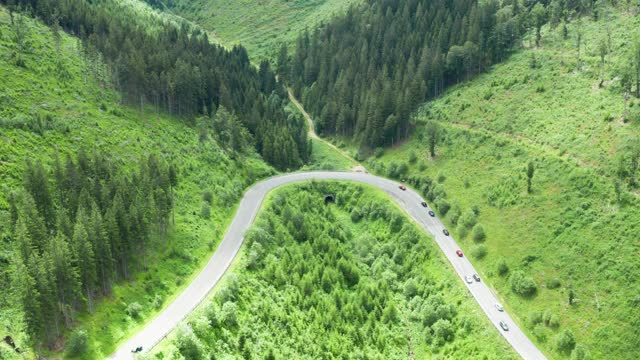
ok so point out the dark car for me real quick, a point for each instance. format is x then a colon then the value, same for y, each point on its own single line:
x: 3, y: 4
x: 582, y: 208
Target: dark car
x: 445, y: 231
x: 504, y: 326
x: 424, y: 204
x: 476, y: 277
x: 137, y: 349
x: 402, y: 187
x: 459, y: 252
x: 431, y: 213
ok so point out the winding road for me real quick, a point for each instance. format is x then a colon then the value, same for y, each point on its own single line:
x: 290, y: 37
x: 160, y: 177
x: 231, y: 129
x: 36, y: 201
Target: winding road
x: 409, y: 201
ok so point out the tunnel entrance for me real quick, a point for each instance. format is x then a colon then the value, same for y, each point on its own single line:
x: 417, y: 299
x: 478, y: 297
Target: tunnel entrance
x: 329, y: 198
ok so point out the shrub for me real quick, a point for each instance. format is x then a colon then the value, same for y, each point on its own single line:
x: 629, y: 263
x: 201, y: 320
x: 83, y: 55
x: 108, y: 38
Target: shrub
x: 547, y: 316
x: 230, y: 313
x: 454, y: 214
x: 633, y: 115
x: 475, y: 209
x: 540, y: 333
x: 397, y: 169
x: 188, y: 343
x: 390, y: 314
x: 157, y: 301
x: 553, y: 283
x: 462, y: 231
x: 378, y: 152
x: 522, y: 285
x: 356, y: 215
x: 412, y: 157
x: 565, y: 341
x: 442, y: 331
x: 410, y: 288
x: 443, y: 206
x: 78, y: 343
x: 205, y: 210
x: 535, y: 318
x: 580, y: 353
x: 422, y: 166
x: 479, y: 251
x: 134, y: 309
x: 207, y: 196
x: 436, y: 192
x: 468, y: 218
x: 441, y: 177
x: 502, y: 267
x: 478, y: 233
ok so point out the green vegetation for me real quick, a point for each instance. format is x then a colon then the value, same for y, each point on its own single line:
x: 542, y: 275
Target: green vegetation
x: 324, y: 157
x: 46, y: 113
x: 178, y: 71
x: 317, y: 280
x: 561, y: 233
x: 74, y: 239
x: 363, y: 73
x: 260, y: 26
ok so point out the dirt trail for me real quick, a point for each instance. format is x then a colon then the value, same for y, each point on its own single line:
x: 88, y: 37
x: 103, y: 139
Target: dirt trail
x: 312, y: 134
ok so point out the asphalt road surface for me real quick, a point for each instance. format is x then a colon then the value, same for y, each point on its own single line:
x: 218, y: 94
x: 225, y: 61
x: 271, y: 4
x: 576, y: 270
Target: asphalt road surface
x: 408, y: 200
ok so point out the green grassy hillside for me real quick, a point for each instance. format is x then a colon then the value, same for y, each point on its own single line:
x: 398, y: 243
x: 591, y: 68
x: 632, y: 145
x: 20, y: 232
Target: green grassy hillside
x: 575, y: 233
x: 355, y: 279
x: 260, y: 26
x: 59, y: 102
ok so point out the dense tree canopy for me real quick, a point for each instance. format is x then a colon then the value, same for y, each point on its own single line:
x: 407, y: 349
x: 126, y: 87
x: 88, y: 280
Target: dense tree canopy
x: 80, y: 227
x: 315, y: 284
x: 180, y: 71
x: 364, y: 73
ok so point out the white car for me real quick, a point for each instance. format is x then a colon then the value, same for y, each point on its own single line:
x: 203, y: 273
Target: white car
x: 504, y: 326
x: 499, y: 307
x: 468, y: 279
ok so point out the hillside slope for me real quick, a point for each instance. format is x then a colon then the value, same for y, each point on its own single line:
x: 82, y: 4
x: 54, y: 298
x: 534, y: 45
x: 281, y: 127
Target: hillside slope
x: 354, y: 279
x: 563, y: 255
x: 260, y: 26
x: 60, y: 101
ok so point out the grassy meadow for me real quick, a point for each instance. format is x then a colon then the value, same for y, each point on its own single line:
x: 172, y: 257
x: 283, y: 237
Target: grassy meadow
x: 60, y: 102
x: 260, y: 26
x: 575, y: 234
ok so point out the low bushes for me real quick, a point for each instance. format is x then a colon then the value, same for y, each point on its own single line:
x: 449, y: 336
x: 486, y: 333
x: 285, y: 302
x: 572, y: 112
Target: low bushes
x: 522, y: 284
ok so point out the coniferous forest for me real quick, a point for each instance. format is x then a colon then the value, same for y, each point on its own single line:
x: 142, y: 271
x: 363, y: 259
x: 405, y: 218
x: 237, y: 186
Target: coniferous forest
x: 363, y: 74
x: 131, y: 129
x: 91, y: 228
x: 178, y: 70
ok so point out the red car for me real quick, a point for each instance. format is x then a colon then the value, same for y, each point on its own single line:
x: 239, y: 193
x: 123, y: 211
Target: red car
x: 402, y: 187
x: 459, y: 252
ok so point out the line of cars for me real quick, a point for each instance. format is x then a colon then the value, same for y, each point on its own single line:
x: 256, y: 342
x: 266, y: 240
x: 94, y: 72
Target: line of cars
x: 469, y: 278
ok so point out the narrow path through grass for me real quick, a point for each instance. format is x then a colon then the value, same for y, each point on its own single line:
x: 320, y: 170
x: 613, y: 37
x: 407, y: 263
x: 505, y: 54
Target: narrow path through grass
x: 355, y: 165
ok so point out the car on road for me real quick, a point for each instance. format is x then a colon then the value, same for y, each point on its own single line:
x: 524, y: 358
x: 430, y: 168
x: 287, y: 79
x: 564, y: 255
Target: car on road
x: 504, y: 325
x: 459, y: 252
x: 445, y: 232
x: 402, y: 187
x: 468, y: 279
x: 431, y: 213
x: 137, y: 349
x: 424, y: 204
x: 476, y: 277
x: 499, y: 307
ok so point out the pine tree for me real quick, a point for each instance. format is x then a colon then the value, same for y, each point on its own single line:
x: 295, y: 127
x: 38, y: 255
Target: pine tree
x: 84, y: 255
x: 65, y: 275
